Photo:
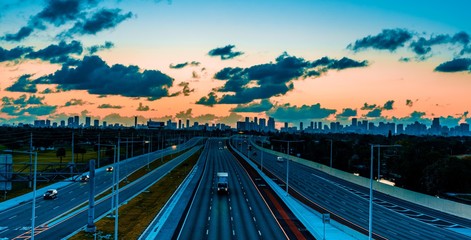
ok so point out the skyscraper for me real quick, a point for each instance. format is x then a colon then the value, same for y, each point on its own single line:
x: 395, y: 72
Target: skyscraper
x: 271, y: 124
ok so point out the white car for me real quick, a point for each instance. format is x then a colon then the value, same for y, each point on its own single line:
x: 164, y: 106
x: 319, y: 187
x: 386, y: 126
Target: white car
x: 50, y: 194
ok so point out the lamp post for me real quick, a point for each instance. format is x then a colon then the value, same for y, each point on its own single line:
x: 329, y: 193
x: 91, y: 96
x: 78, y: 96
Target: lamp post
x: 33, y: 210
x: 287, y: 161
x: 113, y: 176
x: 370, y: 211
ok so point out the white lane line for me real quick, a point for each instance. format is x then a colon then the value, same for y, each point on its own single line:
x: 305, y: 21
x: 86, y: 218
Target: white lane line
x: 233, y: 233
x: 56, y: 207
x: 207, y: 231
x: 12, y: 217
x: 259, y: 233
x: 72, y: 199
x: 254, y: 219
x: 209, y: 218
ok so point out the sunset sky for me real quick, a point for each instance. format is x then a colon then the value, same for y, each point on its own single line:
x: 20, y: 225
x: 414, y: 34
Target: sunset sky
x: 220, y: 61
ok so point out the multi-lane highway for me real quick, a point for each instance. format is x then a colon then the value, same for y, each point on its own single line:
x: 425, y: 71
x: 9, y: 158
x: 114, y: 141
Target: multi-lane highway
x: 16, y: 221
x: 240, y: 214
x: 392, y: 219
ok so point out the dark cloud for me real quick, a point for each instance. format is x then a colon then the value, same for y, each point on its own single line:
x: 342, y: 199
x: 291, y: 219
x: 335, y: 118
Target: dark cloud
x: 186, y: 88
x: 347, y: 112
x: 375, y: 113
x: 96, y: 48
x: 20, y: 35
x: 101, y: 20
x: 109, y: 106
x: 388, y: 105
x: 56, y: 12
x: 14, y: 53
x: 224, y: 52
x: 263, y: 81
x: 262, y: 106
x: 409, y: 103
x: 366, y: 106
x: 404, y: 59
x: 23, y: 84
x: 182, y: 65
x: 388, y: 39
x: 455, y: 65
x: 142, y: 107
x: 341, y: 64
x: 75, y: 102
x: 26, y: 105
x: 95, y: 76
x: 58, y: 53
x: 288, y: 113
x: 423, y: 46
x: 210, y: 100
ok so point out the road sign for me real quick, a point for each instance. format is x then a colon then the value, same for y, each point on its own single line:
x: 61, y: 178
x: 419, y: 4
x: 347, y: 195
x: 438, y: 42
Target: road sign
x: 326, y: 218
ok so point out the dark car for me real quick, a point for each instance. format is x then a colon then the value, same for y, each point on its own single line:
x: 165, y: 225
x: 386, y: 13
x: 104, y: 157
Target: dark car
x: 50, y: 194
x: 109, y: 169
x: 84, y: 178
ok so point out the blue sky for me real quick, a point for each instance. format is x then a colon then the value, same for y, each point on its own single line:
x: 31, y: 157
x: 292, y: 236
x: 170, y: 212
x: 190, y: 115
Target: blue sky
x: 315, y: 60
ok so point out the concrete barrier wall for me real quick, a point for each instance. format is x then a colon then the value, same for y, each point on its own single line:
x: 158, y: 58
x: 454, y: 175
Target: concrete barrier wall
x: 443, y: 205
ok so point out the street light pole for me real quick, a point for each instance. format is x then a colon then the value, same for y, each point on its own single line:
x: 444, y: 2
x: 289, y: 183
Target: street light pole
x: 117, y: 194
x: 287, y: 161
x: 331, y: 147
x: 370, y: 217
x: 33, y: 218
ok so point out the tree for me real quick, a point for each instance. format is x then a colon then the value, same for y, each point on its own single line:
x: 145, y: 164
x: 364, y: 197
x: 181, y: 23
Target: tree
x: 60, y: 153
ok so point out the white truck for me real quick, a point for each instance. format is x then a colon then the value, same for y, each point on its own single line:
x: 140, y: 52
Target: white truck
x: 223, y: 185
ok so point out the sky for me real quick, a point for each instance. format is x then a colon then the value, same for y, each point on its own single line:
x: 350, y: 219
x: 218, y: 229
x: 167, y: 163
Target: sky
x: 221, y: 61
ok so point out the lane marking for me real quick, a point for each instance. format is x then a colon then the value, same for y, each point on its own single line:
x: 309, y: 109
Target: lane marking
x: 12, y: 217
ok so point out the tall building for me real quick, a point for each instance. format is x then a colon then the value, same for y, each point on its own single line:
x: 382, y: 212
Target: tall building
x: 76, y: 121
x: 354, y: 122
x: 301, y: 128
x: 262, y: 124
x: 88, y: 121
x: 96, y: 123
x: 271, y: 124
x: 70, y: 122
x: 188, y: 123
x: 135, y: 121
x: 179, y: 124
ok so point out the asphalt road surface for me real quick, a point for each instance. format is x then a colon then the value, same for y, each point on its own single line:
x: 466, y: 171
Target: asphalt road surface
x: 348, y: 203
x: 240, y: 214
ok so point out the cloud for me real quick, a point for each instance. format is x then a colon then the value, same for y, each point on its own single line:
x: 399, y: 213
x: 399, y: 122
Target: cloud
x: 388, y: 105
x: 14, y: 53
x: 232, y: 119
x: 366, y: 106
x: 96, y: 48
x: 57, y: 53
x: 409, y: 103
x: 243, y: 85
x: 182, y: 65
x: 388, y: 39
x: 289, y: 113
x: 341, y: 64
x: 423, y: 46
x: 106, y: 105
x: 224, y: 52
x: 20, y: 35
x: 347, y: 112
x: 404, y: 59
x: 95, y: 76
x: 210, y: 100
x: 375, y: 113
x: 185, y: 114
x: 56, y: 12
x: 455, y: 65
x: 263, y: 106
x: 101, y: 20
x: 186, y: 88
x: 142, y: 107
x: 23, y: 84
x: 25, y: 105
x: 75, y: 102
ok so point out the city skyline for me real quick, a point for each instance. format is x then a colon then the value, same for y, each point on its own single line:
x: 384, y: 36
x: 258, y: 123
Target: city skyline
x: 219, y: 62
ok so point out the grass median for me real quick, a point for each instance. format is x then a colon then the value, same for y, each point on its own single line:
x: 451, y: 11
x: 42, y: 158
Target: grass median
x: 137, y: 214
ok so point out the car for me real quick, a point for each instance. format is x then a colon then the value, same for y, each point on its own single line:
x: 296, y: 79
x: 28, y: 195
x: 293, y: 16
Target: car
x: 84, y: 178
x: 280, y: 159
x: 50, y: 194
x: 109, y: 169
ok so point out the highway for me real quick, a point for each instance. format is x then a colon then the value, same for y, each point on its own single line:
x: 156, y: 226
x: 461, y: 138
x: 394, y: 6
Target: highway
x: 241, y: 214
x: 392, y: 218
x: 16, y: 221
